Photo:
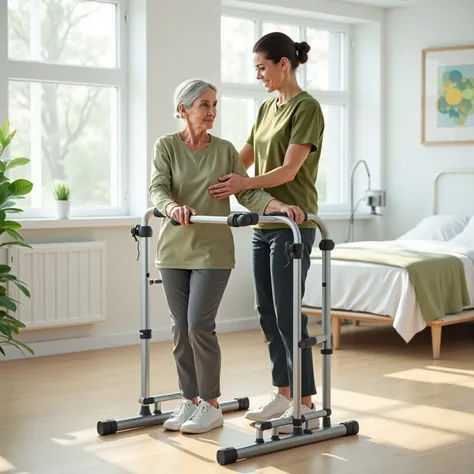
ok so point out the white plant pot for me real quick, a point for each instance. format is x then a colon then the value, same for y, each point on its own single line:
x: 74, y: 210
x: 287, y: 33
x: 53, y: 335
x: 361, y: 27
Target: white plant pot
x: 63, y: 209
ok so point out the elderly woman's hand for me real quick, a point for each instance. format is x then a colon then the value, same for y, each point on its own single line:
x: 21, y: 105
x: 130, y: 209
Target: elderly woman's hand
x: 230, y: 184
x: 181, y: 214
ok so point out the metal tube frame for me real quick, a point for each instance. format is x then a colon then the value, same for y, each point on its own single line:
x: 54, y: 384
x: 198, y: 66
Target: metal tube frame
x: 145, y: 416
x: 301, y: 436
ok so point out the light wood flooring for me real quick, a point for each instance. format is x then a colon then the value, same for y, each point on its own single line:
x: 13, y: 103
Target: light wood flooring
x: 416, y: 415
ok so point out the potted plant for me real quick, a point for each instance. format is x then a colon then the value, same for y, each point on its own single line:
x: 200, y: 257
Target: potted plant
x: 62, y: 194
x: 9, y: 192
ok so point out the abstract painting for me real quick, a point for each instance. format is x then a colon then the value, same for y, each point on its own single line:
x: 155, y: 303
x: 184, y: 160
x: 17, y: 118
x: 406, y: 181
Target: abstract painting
x: 448, y: 96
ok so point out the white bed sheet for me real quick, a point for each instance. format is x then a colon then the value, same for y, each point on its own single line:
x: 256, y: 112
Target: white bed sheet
x: 383, y: 290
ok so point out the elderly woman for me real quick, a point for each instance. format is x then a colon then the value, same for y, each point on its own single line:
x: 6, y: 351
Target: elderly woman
x: 195, y: 261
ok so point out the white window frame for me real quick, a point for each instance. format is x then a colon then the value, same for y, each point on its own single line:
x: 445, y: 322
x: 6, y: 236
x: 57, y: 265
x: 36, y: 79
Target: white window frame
x: 39, y: 71
x: 325, y: 97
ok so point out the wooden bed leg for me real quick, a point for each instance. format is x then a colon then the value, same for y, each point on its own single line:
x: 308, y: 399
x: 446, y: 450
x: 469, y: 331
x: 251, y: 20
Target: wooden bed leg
x: 436, y: 340
x: 336, y: 332
x: 356, y: 322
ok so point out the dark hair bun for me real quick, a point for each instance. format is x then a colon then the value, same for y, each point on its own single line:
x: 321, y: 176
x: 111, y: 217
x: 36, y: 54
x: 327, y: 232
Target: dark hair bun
x: 302, y: 50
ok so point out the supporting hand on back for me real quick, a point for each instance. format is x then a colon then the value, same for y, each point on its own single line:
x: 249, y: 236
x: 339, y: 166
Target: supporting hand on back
x: 229, y: 184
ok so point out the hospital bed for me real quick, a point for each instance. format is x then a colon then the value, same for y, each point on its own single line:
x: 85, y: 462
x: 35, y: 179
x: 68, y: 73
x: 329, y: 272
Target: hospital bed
x: 383, y: 281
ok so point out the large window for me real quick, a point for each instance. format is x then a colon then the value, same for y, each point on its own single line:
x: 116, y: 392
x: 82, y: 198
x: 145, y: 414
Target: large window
x: 324, y: 76
x: 62, y: 81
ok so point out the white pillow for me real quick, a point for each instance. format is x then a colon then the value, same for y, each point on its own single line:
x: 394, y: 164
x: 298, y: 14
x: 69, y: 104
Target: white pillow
x: 440, y: 227
x: 466, y: 237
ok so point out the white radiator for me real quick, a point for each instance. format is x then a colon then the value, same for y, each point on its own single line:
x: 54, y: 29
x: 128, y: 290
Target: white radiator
x: 66, y: 282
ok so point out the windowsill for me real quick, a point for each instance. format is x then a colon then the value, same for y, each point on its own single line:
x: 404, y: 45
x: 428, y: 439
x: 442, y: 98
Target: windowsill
x: 78, y: 222
x: 126, y: 221
x: 344, y: 216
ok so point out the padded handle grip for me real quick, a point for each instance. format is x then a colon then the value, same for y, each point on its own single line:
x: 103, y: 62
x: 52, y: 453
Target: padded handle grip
x: 242, y: 219
x: 282, y: 214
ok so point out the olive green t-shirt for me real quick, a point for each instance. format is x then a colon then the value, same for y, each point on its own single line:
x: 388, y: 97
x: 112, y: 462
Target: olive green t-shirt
x: 182, y: 175
x: 298, y: 121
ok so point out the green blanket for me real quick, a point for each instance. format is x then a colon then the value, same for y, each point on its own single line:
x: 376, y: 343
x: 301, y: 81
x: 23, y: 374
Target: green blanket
x: 438, y: 280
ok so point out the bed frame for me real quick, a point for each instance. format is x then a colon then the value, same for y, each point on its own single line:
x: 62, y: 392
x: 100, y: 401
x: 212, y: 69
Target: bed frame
x: 337, y: 316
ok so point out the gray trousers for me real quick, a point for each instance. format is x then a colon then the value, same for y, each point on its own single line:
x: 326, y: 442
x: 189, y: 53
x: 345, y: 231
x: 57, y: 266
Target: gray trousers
x: 193, y: 298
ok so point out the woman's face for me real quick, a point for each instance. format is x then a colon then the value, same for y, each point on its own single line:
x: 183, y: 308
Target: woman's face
x: 202, y: 114
x: 271, y: 75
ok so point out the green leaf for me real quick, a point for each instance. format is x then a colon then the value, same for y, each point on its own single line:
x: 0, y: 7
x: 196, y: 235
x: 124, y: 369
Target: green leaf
x: 4, y: 192
x: 6, y: 277
x: 6, y: 329
x: 13, y: 209
x: 4, y: 269
x: 15, y: 234
x: 20, y: 187
x: 17, y: 162
x: 8, y: 140
x: 10, y: 225
x: 4, y: 131
x: 19, y: 344
x: 7, y: 204
x: 15, y: 242
x: 2, y: 167
x: 21, y: 286
x: 7, y: 302
x: 13, y: 321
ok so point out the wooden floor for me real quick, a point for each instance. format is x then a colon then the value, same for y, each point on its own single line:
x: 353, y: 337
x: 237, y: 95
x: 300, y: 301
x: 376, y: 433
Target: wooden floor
x: 416, y: 415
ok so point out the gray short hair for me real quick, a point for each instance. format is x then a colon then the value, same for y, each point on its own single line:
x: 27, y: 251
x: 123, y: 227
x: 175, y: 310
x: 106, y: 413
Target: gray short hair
x: 188, y: 91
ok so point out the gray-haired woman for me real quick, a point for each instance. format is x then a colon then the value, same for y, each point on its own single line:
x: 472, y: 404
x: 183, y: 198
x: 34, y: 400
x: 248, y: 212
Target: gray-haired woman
x: 195, y: 261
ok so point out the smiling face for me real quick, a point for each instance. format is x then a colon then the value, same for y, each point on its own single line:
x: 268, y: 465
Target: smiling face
x: 202, y: 114
x: 272, y: 76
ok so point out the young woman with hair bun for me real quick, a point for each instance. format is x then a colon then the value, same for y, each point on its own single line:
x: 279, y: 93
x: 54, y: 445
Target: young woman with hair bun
x: 285, y: 146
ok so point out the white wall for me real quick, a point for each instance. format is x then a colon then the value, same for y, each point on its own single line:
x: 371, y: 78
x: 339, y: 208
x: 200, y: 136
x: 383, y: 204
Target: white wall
x: 410, y: 166
x: 167, y: 45
x: 368, y: 96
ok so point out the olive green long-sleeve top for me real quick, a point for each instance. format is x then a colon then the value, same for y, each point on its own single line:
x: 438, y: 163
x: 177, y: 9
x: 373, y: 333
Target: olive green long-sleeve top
x: 182, y: 175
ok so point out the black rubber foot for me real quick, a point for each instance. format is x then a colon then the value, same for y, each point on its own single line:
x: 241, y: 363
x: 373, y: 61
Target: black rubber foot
x: 106, y: 427
x: 145, y: 410
x: 352, y: 427
x: 226, y: 456
x: 244, y: 403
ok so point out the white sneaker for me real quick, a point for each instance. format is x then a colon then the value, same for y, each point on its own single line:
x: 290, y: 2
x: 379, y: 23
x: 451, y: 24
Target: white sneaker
x: 288, y: 429
x: 182, y: 413
x: 273, y: 408
x: 205, y: 418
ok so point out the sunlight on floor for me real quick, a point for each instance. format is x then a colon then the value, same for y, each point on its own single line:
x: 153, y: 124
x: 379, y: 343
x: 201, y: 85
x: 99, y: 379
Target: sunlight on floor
x: 339, y: 458
x: 451, y: 370
x: 383, y: 421
x: 437, y: 376
x: 410, y: 426
x: 5, y: 466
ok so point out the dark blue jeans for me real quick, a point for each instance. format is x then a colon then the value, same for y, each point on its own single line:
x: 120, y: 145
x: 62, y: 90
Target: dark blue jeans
x: 273, y: 280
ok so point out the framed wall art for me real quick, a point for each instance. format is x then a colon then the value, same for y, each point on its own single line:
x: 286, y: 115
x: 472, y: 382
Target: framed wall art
x: 447, y: 107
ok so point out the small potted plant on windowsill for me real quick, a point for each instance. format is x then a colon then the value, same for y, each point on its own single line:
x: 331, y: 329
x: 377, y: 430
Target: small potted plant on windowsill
x: 62, y: 194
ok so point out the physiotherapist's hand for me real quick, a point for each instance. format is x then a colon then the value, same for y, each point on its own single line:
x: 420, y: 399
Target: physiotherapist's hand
x: 182, y: 214
x: 294, y: 213
x: 230, y: 184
